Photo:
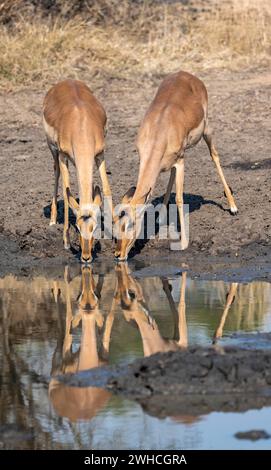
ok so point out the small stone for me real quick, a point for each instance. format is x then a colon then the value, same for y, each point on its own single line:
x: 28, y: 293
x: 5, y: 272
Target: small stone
x: 253, y: 435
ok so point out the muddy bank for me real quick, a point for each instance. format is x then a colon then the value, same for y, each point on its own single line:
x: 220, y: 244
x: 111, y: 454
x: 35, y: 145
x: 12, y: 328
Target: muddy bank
x: 198, y: 371
x: 252, y: 263
x: 192, y: 382
x: 191, y: 407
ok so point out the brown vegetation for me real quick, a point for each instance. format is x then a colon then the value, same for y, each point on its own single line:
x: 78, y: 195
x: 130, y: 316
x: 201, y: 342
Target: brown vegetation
x: 43, y: 41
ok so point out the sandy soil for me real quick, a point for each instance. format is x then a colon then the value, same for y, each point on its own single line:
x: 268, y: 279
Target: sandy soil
x: 239, y: 108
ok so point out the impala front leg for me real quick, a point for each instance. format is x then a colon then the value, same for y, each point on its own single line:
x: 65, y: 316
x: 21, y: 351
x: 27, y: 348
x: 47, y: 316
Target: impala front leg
x: 107, y: 332
x: 179, y: 200
x: 66, y: 184
x: 230, y: 299
x: 68, y: 322
x: 167, y: 290
x: 183, y: 338
x: 215, y: 157
x: 100, y: 162
x: 55, y: 153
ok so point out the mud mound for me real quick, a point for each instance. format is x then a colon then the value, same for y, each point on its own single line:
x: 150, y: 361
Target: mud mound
x: 188, y: 383
x: 197, y: 372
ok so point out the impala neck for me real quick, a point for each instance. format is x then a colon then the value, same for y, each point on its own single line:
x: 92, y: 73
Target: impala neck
x: 152, y: 340
x: 149, y: 170
x: 84, y: 166
x: 88, y: 357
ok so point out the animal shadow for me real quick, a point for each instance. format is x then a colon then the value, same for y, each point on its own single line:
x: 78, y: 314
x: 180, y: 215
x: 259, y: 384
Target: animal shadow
x: 193, y: 200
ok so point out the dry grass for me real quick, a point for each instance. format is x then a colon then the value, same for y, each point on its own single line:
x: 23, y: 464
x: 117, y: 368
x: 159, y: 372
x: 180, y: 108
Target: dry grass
x: 158, y: 38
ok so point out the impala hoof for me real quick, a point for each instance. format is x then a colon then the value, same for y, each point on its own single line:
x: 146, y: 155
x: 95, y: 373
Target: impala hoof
x: 52, y: 222
x: 184, y: 245
x: 67, y: 246
x: 118, y: 259
x: 234, y: 210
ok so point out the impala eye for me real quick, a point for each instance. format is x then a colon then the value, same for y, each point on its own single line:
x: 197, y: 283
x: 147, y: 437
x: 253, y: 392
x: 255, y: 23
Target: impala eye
x: 131, y: 294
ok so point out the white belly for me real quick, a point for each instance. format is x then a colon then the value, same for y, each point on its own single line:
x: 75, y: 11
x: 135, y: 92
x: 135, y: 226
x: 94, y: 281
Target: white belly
x: 195, y: 135
x: 50, y: 132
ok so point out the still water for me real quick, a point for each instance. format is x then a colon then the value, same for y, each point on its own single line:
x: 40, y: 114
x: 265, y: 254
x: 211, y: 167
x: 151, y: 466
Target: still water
x: 74, y: 321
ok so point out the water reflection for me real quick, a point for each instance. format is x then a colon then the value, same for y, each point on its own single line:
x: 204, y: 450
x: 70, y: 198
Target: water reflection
x: 80, y: 402
x: 135, y: 308
x: 96, y: 326
x: 79, y: 321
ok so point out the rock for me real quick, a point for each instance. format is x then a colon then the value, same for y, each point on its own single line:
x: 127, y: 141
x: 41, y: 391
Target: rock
x: 253, y: 435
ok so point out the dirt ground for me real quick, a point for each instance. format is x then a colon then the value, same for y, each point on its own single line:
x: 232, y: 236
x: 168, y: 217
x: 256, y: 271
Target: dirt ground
x: 239, y: 110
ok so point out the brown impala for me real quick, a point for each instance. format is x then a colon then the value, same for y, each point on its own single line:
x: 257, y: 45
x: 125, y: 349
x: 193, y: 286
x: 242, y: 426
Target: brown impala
x: 74, y: 123
x: 175, y: 121
x: 80, y: 402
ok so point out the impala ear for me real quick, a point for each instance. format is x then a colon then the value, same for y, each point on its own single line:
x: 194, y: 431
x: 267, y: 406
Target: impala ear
x: 128, y: 195
x: 72, y: 202
x: 97, y: 196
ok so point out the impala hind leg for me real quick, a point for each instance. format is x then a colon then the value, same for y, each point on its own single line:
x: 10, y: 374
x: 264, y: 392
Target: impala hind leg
x: 169, y: 186
x: 55, y: 154
x: 215, y: 157
x: 179, y: 200
x: 66, y: 184
x: 183, y: 337
x: 230, y: 299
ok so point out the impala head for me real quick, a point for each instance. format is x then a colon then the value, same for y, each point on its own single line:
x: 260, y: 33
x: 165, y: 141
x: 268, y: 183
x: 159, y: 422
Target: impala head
x: 87, y: 217
x: 74, y: 402
x: 129, y: 290
x: 130, y: 295
x: 88, y: 300
x: 125, y: 227
x: 128, y: 223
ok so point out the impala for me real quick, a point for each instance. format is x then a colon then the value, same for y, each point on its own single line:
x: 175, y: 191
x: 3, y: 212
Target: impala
x: 134, y: 307
x: 131, y: 298
x: 80, y: 402
x: 176, y: 120
x: 74, y: 122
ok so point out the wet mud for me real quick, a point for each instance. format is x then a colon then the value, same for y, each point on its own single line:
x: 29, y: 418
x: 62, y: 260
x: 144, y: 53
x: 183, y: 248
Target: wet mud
x: 194, y: 382
x: 220, y: 245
